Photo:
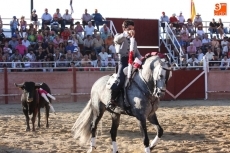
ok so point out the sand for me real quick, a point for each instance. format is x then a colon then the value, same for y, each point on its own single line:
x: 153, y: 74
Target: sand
x: 189, y: 126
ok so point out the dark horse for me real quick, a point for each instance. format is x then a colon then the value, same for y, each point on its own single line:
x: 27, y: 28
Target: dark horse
x: 148, y: 85
x: 32, y: 101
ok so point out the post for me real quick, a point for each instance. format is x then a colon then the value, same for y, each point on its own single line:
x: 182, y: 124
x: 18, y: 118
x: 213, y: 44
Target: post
x: 205, y: 68
x: 74, y: 84
x: 6, y: 85
x: 31, y: 5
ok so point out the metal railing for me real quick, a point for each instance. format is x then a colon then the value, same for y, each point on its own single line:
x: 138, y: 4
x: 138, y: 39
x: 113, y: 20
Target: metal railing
x: 170, y: 36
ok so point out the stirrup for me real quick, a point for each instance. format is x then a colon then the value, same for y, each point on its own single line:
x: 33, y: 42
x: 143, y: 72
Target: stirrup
x: 111, y: 105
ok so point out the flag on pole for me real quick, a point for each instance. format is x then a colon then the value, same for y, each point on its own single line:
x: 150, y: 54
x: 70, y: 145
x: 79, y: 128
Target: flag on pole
x: 193, y: 10
x: 71, y: 7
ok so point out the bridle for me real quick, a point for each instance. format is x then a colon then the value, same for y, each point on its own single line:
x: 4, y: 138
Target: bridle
x: 156, y: 89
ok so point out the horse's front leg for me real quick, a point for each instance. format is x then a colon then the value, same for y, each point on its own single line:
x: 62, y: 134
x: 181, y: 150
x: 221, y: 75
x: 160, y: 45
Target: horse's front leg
x: 113, y: 131
x: 153, y: 119
x: 143, y: 128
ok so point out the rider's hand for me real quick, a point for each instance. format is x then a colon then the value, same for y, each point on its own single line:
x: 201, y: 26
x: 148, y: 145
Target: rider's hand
x: 131, y: 33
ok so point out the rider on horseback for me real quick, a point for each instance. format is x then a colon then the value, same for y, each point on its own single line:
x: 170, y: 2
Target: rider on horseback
x: 123, y: 49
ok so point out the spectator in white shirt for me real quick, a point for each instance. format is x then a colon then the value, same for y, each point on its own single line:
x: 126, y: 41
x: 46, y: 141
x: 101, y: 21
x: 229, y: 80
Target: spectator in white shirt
x: 181, y: 20
x: 89, y: 29
x: 210, y: 55
x: 200, y: 32
x: 224, y: 63
x: 226, y: 49
x: 46, y: 18
x: 67, y: 18
x: 110, y: 62
x: 224, y: 42
x: 193, y: 61
x: 104, y: 57
x: 104, y: 29
x: 25, y: 42
x: 200, y: 55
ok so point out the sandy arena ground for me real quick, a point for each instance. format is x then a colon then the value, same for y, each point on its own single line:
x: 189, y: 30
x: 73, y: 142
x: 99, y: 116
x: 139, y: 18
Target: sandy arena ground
x: 189, y: 126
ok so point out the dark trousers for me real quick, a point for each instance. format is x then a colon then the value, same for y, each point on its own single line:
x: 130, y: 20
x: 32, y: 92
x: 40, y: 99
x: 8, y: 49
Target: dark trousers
x: 120, y: 74
x: 45, y: 22
x: 163, y: 26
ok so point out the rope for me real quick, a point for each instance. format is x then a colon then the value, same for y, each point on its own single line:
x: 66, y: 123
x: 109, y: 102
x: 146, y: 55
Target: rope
x: 58, y: 94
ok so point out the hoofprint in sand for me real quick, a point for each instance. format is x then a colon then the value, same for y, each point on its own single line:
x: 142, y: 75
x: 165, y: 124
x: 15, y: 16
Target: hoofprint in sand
x: 189, y: 126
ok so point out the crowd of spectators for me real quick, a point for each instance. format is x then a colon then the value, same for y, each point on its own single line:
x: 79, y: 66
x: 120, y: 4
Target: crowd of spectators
x: 195, y: 43
x: 58, y: 42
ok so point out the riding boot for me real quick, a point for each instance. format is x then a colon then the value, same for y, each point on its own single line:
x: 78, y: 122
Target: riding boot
x: 113, y: 100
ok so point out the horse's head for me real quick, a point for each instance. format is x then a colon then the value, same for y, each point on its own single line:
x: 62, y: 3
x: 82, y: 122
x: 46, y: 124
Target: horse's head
x: 161, y: 74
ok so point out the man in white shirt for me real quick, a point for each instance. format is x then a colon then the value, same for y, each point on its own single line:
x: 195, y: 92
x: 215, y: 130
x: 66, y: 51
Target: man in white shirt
x: 224, y: 42
x: 86, y: 17
x: 89, y: 29
x: 226, y: 49
x: 46, y: 18
x: 104, y: 57
x: 104, y: 29
x: 181, y: 19
x: 209, y: 55
x: 200, y: 55
x: 164, y: 18
x: 67, y: 18
x: 193, y: 61
x: 25, y: 42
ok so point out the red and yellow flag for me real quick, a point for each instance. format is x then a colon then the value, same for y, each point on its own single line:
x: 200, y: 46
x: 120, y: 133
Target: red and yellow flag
x: 193, y: 10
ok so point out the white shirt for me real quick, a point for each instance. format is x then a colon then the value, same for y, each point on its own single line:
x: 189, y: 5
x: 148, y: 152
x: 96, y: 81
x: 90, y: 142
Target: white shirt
x: 46, y: 16
x: 104, y: 56
x: 181, y: 19
x: 200, y: 57
x: 200, y: 32
x: 225, y: 49
x: 197, y: 19
x: 209, y: 55
x: 205, y: 41
x: 102, y: 30
x: 224, y: 43
x: 224, y: 63
x: 112, y: 48
x: 191, y: 60
x: 26, y: 43
x: 89, y: 30
x: 58, y: 15
x: 67, y: 16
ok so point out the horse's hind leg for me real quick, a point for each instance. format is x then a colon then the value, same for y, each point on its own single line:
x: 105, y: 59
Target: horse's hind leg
x: 153, y: 119
x: 94, y: 124
x: 113, y: 131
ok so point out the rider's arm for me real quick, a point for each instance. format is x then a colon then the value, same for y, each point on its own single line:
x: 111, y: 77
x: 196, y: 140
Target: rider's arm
x: 119, y: 38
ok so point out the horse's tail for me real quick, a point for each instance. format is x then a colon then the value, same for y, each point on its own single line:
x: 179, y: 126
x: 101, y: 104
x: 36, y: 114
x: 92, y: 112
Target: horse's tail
x: 82, y: 127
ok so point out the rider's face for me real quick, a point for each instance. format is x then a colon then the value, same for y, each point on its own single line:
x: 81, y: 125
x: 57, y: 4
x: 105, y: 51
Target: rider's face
x: 130, y: 27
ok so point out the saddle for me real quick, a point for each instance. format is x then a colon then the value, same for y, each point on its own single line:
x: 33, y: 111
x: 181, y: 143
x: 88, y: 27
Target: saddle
x: 113, y: 80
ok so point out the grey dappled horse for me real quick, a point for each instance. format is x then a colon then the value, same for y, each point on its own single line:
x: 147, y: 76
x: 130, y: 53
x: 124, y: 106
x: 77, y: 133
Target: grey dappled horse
x: 148, y: 85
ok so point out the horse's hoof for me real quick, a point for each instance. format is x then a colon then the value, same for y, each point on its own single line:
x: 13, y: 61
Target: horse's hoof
x: 27, y: 129
x: 92, y: 150
x: 152, y: 147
